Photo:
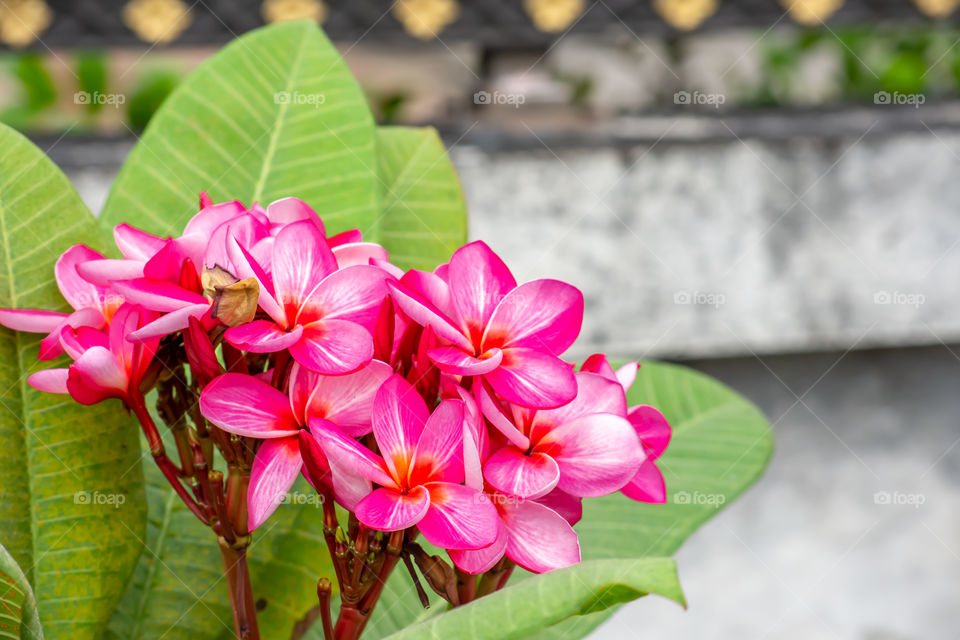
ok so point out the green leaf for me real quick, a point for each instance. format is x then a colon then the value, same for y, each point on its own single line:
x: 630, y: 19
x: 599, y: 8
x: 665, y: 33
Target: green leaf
x: 530, y: 605
x: 178, y: 590
x: 18, y: 607
x: 721, y: 444
x: 72, y: 502
x: 424, y: 217
x: 275, y: 113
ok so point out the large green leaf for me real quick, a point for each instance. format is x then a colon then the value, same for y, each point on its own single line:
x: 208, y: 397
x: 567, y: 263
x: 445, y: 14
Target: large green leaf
x: 530, y: 605
x: 18, y: 607
x: 721, y: 444
x: 72, y: 488
x: 424, y: 216
x: 275, y: 113
x: 178, y: 591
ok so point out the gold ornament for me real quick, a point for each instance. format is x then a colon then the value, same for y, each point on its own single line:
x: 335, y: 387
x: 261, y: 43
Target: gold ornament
x: 937, y: 8
x: 685, y: 15
x: 426, y: 18
x: 22, y: 21
x: 283, y: 10
x: 157, y: 20
x: 553, y: 15
x: 811, y: 12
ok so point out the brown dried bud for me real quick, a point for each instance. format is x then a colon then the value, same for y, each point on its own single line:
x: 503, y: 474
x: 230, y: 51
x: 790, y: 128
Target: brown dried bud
x: 440, y: 575
x: 234, y: 302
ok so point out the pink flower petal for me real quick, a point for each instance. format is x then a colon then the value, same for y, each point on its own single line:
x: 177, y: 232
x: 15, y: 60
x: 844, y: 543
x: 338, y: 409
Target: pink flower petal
x: 50, y: 380
x: 595, y: 394
x: 77, y: 291
x: 209, y: 218
x: 389, y: 510
x: 495, y: 414
x: 477, y: 561
x: 515, y: 473
x: 274, y: 471
x: 359, y: 253
x: 246, y: 406
x: 301, y: 259
x: 34, y: 321
x: 246, y: 266
x: 76, y: 341
x: 347, y: 400
x: 96, y: 376
x: 424, y: 313
x: 399, y: 417
x: 345, y: 237
x: 648, y: 485
x: 169, y: 323
x: 456, y: 361
x: 597, y: 363
x: 459, y: 517
x: 532, y: 378
x: 346, y: 453
x: 430, y: 287
x: 290, y: 210
x: 479, y: 280
x: 543, y: 314
x: 332, y: 347
x: 439, y: 452
x: 135, y: 244
x: 652, y: 429
x: 475, y: 440
x: 262, y: 336
x: 354, y: 293
x: 158, y: 295
x: 539, y: 539
x: 103, y: 272
x: 597, y: 454
x: 627, y: 375
x: 568, y: 506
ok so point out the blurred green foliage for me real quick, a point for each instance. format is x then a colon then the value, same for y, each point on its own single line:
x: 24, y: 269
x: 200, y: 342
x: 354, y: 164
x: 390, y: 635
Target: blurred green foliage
x: 91, y: 70
x: 148, y: 94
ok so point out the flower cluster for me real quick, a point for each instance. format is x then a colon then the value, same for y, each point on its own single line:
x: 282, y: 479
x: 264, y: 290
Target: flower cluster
x: 434, y: 403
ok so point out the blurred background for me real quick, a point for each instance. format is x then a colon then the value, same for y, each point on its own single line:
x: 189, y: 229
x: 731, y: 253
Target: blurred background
x: 767, y: 191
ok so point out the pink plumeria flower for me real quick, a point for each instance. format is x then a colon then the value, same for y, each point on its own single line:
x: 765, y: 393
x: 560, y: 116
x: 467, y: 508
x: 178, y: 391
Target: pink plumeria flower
x: 511, y: 335
x: 587, y: 448
x: 530, y: 533
x: 322, y: 314
x: 106, y: 365
x: 93, y: 305
x: 247, y: 406
x: 651, y: 427
x: 420, y: 471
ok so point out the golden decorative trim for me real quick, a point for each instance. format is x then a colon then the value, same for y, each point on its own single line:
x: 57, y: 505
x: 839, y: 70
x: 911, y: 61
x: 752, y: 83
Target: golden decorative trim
x: 22, y: 21
x: 937, y: 8
x: 554, y: 16
x: 284, y: 10
x: 159, y: 21
x: 425, y: 19
x: 811, y: 12
x: 685, y: 15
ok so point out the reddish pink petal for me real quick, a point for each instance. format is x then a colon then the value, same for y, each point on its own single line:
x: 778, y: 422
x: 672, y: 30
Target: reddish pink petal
x: 439, y: 452
x: 301, y: 259
x: 515, y: 473
x: 50, y: 346
x: 459, y: 517
x: 332, y: 347
x: 174, y: 321
x: 399, y: 417
x: 424, y: 313
x: 262, y: 336
x: 290, y: 210
x: 247, y: 230
x: 532, y: 378
x: 345, y: 237
x: 479, y: 280
x: 359, y: 253
x: 477, y: 561
x: 458, y: 362
x: 158, y: 295
x: 475, y: 440
x: 389, y: 510
x: 103, y: 272
x: 209, y: 218
x: 354, y: 294
x: 568, y: 506
x: 347, y: 400
x: 34, y: 321
x: 627, y: 374
x: 246, y: 266
x: 595, y: 394
x: 647, y: 485
x: 543, y: 314
x: 346, y: 453
x: 77, y: 291
x: 597, y: 454
x: 96, y: 376
x: 76, y: 341
x: 539, y: 539
x: 246, y: 406
x: 135, y: 244
x: 274, y: 471
x: 597, y: 363
x: 50, y: 380
x: 494, y: 413
x: 652, y: 429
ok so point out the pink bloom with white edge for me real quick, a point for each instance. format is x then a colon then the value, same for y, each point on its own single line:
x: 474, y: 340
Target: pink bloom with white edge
x: 93, y: 305
x: 511, y: 335
x: 322, y: 314
x: 419, y: 473
x: 106, y: 365
x: 247, y: 406
x: 587, y: 448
